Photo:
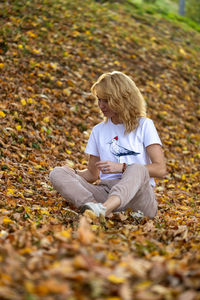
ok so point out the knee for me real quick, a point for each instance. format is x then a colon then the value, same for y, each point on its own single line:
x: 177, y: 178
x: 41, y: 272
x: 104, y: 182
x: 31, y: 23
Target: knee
x: 138, y: 168
x: 54, y: 174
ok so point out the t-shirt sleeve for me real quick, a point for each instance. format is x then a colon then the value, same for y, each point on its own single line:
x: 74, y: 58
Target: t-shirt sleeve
x: 91, y: 147
x: 150, y: 134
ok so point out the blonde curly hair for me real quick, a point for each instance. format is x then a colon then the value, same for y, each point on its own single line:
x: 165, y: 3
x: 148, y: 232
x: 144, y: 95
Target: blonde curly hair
x: 123, y: 96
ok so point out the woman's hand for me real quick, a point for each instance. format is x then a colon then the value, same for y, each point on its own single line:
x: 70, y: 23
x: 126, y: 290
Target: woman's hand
x: 107, y: 167
x: 90, y: 174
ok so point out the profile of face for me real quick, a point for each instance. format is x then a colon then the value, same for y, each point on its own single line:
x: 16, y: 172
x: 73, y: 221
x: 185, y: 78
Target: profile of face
x: 104, y: 107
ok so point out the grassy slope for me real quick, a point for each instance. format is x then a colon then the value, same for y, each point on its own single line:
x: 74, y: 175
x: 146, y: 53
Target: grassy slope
x: 165, y: 9
x: 55, y: 51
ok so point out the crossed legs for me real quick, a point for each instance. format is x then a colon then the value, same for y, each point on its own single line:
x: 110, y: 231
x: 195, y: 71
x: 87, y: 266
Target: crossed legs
x: 131, y: 191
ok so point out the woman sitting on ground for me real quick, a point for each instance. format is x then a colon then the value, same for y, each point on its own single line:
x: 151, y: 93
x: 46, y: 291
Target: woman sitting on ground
x: 124, y: 150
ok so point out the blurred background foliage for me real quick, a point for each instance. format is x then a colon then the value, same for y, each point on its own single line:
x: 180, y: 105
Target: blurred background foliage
x: 193, y: 10
x: 192, y: 7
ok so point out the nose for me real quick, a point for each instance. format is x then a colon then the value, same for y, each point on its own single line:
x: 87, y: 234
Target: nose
x: 102, y: 104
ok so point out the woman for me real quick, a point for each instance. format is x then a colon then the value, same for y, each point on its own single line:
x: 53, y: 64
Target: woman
x: 125, y: 150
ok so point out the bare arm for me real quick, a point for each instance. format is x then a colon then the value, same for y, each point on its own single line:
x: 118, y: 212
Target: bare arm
x: 158, y: 166
x: 156, y: 169
x: 90, y: 174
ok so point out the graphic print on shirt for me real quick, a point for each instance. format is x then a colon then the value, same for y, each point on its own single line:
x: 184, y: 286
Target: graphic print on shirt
x: 118, y: 150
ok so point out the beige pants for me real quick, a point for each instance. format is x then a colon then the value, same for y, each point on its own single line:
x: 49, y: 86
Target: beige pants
x: 133, y: 189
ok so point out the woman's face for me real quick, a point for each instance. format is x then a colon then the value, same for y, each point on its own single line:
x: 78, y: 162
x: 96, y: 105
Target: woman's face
x: 103, y: 105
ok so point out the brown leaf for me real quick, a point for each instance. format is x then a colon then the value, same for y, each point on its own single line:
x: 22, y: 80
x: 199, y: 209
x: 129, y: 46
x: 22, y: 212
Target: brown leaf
x: 188, y: 295
x: 84, y: 232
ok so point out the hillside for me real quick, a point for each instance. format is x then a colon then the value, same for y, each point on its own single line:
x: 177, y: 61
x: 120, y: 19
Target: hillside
x: 51, y: 52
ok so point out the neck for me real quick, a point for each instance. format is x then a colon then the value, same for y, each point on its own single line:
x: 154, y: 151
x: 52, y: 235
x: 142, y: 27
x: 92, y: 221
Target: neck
x: 115, y: 120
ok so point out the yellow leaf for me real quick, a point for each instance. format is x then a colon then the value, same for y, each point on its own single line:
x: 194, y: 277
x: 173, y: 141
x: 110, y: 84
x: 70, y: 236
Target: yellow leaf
x: 29, y: 286
x: 182, y: 52
x: 5, y: 277
x: 30, y: 100
x: 18, y: 127
x: 116, y: 279
x: 38, y: 167
x: 63, y: 235
x: 82, y: 148
x: 185, y: 208
x: 171, y: 186
x: 31, y: 34
x: 70, y: 163
x: 94, y: 227
x: 68, y: 151
x: 46, y: 119
x: 7, y: 220
x: 66, y: 233
x: 27, y: 209
x: 76, y: 33
x: 37, y: 51
x: 163, y: 111
x: 66, y: 92
x: 23, y: 101
x: 20, y: 46
x: 10, y: 192
x: 111, y: 256
x: 183, y: 177
x: 113, y: 298
x: 2, y: 114
x: 28, y: 191
x: 53, y: 66
x: 90, y: 214
x: 1, y: 65
x: 59, y: 83
x: 143, y: 285
x: 25, y: 251
x: 84, y: 162
x: 44, y: 212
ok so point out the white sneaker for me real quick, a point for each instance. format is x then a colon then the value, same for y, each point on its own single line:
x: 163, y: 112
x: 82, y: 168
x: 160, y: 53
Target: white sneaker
x: 97, y: 208
x: 137, y: 216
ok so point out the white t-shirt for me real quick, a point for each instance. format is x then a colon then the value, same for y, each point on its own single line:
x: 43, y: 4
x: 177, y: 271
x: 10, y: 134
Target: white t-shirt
x: 109, y: 142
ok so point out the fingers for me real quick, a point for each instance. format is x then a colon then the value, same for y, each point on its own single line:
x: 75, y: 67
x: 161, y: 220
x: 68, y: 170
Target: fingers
x: 109, y: 166
x: 102, y: 163
x: 103, y: 166
x: 106, y: 166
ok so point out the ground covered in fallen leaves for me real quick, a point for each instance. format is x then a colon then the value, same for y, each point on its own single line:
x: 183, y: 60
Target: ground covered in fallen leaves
x: 50, y: 54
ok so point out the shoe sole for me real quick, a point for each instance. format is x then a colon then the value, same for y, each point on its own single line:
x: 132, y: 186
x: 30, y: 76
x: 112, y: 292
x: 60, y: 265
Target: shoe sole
x: 84, y: 208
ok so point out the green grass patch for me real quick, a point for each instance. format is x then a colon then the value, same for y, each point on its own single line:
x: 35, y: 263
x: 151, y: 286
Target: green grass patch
x: 165, y: 8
